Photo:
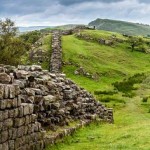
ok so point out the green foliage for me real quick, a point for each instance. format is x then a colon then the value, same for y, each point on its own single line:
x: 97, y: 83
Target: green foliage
x: 11, y: 47
x: 7, y: 29
x: 105, y: 92
x: 145, y: 99
x: 127, y: 85
x: 138, y: 44
x: 31, y: 37
x: 13, y: 51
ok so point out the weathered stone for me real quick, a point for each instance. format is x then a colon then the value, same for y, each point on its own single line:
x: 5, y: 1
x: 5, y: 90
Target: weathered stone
x: 5, y: 114
x: 49, y: 99
x: 26, y: 108
x: 4, y: 136
x: 5, y: 146
x: 6, y: 93
x: 21, y: 74
x: 11, y: 144
x: 35, y: 68
x: 4, y: 78
x: 3, y: 104
x: 8, y: 123
x: 19, y: 122
x: 1, y: 91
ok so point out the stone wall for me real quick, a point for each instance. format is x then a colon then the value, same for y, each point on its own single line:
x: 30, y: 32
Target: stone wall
x: 56, y: 57
x: 19, y: 129
x: 31, y: 97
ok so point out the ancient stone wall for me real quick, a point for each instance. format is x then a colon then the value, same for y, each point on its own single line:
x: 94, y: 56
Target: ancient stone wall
x: 56, y: 56
x: 31, y: 97
x: 19, y: 129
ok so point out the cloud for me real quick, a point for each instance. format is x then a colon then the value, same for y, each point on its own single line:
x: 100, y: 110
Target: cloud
x: 50, y: 12
x: 71, y: 2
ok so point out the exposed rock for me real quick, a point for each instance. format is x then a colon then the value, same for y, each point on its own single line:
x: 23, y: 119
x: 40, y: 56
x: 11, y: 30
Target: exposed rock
x: 51, y: 101
x: 4, y: 78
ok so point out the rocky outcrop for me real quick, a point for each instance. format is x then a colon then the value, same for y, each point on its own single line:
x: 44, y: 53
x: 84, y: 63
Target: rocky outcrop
x: 32, y: 99
x: 56, y: 56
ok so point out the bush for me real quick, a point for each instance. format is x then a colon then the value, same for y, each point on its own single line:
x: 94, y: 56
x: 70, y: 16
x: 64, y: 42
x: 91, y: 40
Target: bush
x: 11, y: 47
x: 31, y: 37
x: 127, y: 85
x: 145, y: 99
x: 105, y: 92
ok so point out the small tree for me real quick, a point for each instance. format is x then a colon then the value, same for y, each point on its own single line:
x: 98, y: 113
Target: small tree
x: 136, y: 43
x: 7, y: 29
x: 133, y: 41
x: 11, y: 47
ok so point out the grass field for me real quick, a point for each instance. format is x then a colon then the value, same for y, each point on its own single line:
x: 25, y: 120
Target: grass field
x: 111, y: 63
x: 130, y: 130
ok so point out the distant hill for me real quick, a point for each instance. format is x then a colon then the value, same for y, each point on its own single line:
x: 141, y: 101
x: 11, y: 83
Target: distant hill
x: 62, y: 27
x: 121, y: 27
x: 32, y: 28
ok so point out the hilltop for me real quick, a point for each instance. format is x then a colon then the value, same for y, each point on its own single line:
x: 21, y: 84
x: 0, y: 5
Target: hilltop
x: 121, y: 27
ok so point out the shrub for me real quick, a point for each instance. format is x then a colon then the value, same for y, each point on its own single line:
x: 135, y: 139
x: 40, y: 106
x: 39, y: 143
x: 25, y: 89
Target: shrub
x: 145, y: 99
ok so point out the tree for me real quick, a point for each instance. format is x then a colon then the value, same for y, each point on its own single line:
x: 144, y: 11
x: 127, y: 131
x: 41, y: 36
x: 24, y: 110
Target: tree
x: 133, y: 41
x: 12, y: 48
x: 7, y: 29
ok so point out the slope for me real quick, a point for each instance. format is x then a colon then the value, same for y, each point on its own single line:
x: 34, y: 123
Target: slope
x: 111, y: 63
x: 121, y: 27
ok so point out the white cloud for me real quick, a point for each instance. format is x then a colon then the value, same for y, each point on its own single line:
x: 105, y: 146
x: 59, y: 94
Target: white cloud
x: 54, y: 13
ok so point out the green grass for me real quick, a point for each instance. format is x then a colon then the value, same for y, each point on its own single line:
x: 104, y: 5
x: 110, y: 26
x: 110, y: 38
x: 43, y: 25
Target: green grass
x: 46, y: 43
x: 47, y: 47
x: 102, y: 34
x: 112, y: 64
x: 130, y: 130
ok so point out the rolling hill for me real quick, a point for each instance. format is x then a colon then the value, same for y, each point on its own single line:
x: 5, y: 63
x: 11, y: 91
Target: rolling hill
x: 112, y: 64
x: 129, y: 96
x: 121, y: 27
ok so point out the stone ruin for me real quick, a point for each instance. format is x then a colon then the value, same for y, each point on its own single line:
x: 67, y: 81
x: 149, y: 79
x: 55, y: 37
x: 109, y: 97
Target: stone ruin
x: 56, y: 56
x: 33, y: 101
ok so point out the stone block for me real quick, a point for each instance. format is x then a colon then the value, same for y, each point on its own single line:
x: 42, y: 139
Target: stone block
x: 8, y: 123
x: 21, y: 131
x: 1, y: 91
x: 12, y: 91
x: 11, y: 144
x: 49, y: 99
x: 3, y: 104
x: 4, y: 136
x: 5, y: 78
x: 5, y: 146
x: 6, y: 91
x: 19, y: 122
x: 26, y: 108
x: 5, y: 114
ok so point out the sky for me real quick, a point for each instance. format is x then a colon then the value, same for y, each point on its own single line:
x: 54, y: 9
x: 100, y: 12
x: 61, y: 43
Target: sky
x: 60, y: 12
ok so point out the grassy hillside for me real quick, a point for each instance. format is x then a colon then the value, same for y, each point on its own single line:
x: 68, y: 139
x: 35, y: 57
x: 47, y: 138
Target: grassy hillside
x: 112, y: 63
x: 131, y: 101
x: 121, y: 27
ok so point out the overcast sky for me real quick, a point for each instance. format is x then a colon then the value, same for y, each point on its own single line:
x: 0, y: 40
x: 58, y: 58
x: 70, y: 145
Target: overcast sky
x: 58, y: 12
